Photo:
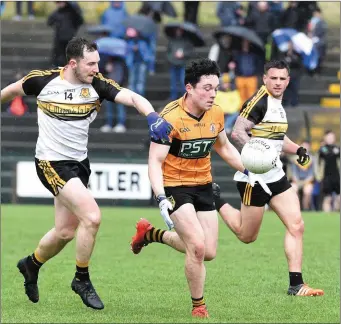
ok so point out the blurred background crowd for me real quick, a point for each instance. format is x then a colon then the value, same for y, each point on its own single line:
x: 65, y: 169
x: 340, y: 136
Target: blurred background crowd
x: 248, y: 34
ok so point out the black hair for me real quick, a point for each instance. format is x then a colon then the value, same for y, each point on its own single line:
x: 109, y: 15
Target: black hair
x: 197, y: 68
x: 275, y: 64
x: 75, y: 48
x: 328, y: 131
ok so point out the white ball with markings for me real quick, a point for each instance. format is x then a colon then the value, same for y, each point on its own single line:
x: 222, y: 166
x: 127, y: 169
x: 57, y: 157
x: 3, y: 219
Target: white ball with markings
x: 259, y: 156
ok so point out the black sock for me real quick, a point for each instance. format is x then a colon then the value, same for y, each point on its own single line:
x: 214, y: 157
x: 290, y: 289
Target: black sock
x: 196, y: 302
x: 82, y: 273
x: 219, y: 202
x: 154, y: 235
x: 295, y: 278
x: 33, y: 263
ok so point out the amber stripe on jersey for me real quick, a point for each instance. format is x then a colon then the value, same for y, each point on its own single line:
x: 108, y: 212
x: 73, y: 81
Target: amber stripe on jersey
x: 110, y: 81
x: 59, y: 110
x: 36, y: 73
x: 51, y: 176
x: 262, y: 91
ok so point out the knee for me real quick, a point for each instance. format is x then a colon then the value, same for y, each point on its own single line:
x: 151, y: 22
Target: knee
x: 93, y: 219
x: 210, y: 254
x: 66, y: 234
x: 296, y: 228
x: 248, y: 239
x: 196, y: 251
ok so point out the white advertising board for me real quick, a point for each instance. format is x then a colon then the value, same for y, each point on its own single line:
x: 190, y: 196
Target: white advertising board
x: 107, y: 181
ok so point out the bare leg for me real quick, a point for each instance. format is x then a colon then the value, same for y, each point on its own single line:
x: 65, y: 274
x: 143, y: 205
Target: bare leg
x: 64, y: 231
x: 292, y: 219
x: 245, y: 224
x: 84, y: 206
x: 327, y: 203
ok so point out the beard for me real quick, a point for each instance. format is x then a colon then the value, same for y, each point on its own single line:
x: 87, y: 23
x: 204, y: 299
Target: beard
x: 79, y: 76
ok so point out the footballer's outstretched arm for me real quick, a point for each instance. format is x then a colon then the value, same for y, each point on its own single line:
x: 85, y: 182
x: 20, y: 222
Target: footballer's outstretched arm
x: 131, y: 98
x: 240, y: 133
x: 11, y: 91
x: 157, y: 155
x: 289, y: 146
x: 228, y: 152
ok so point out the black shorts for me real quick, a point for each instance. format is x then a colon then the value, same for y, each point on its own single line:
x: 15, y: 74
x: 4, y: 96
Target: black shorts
x: 55, y: 174
x: 201, y: 197
x: 330, y: 185
x: 256, y: 196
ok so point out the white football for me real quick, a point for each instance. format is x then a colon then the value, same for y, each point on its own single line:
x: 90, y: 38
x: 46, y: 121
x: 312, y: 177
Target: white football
x: 259, y: 156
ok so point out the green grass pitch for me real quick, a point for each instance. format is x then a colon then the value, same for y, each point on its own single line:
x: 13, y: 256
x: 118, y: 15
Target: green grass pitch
x: 245, y: 284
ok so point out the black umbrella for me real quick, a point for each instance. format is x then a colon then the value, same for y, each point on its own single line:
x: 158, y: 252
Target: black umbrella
x: 190, y: 30
x: 162, y: 7
x: 240, y: 32
x: 99, y: 29
x: 143, y: 24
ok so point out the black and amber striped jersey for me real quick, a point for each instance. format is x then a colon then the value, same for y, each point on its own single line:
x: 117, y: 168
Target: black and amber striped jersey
x: 65, y: 112
x: 269, y: 117
x: 188, y: 162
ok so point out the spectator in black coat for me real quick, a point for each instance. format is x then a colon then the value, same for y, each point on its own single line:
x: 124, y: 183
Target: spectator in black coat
x: 66, y: 21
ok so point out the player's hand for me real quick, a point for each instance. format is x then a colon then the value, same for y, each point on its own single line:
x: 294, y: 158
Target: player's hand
x: 159, y: 128
x: 303, y: 157
x: 253, y: 178
x: 165, y: 205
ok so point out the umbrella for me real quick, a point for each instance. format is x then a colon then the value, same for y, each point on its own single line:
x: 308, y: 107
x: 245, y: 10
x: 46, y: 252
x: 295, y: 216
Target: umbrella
x: 302, y: 44
x: 99, y: 29
x: 143, y: 24
x: 112, y: 46
x: 190, y: 30
x: 240, y: 32
x: 162, y: 7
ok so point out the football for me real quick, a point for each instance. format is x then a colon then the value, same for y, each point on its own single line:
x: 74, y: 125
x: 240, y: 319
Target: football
x: 259, y: 156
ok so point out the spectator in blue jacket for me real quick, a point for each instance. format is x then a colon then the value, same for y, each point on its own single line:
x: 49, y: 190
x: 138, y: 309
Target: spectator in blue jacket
x: 140, y: 60
x: 114, y: 17
x: 230, y: 13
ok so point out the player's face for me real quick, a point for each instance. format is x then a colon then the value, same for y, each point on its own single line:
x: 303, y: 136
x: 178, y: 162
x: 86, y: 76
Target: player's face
x: 276, y: 81
x: 205, y: 91
x: 329, y: 138
x: 87, y: 67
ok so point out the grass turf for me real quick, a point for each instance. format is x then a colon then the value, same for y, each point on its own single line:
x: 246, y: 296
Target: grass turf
x: 246, y: 283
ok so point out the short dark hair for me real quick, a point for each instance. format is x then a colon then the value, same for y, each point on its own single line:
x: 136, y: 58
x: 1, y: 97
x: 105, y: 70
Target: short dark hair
x: 275, y: 64
x: 328, y: 131
x: 197, y: 68
x: 75, y: 48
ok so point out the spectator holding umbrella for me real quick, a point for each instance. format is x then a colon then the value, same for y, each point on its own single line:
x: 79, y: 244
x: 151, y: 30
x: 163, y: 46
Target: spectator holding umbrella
x: 183, y: 37
x: 113, y: 66
x: 140, y: 35
x: 114, y: 17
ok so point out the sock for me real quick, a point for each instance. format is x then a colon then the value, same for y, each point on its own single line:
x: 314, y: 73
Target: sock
x: 198, y: 301
x: 295, y: 278
x: 219, y: 202
x: 35, y: 262
x: 154, y: 235
x: 82, y: 271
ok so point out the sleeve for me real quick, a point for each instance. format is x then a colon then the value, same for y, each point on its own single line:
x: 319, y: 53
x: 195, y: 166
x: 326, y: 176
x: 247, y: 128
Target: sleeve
x: 106, y: 88
x: 34, y: 82
x: 255, y: 108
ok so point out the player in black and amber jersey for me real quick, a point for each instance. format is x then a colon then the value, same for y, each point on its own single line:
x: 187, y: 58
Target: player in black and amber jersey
x: 68, y: 100
x: 263, y: 116
x: 180, y: 174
